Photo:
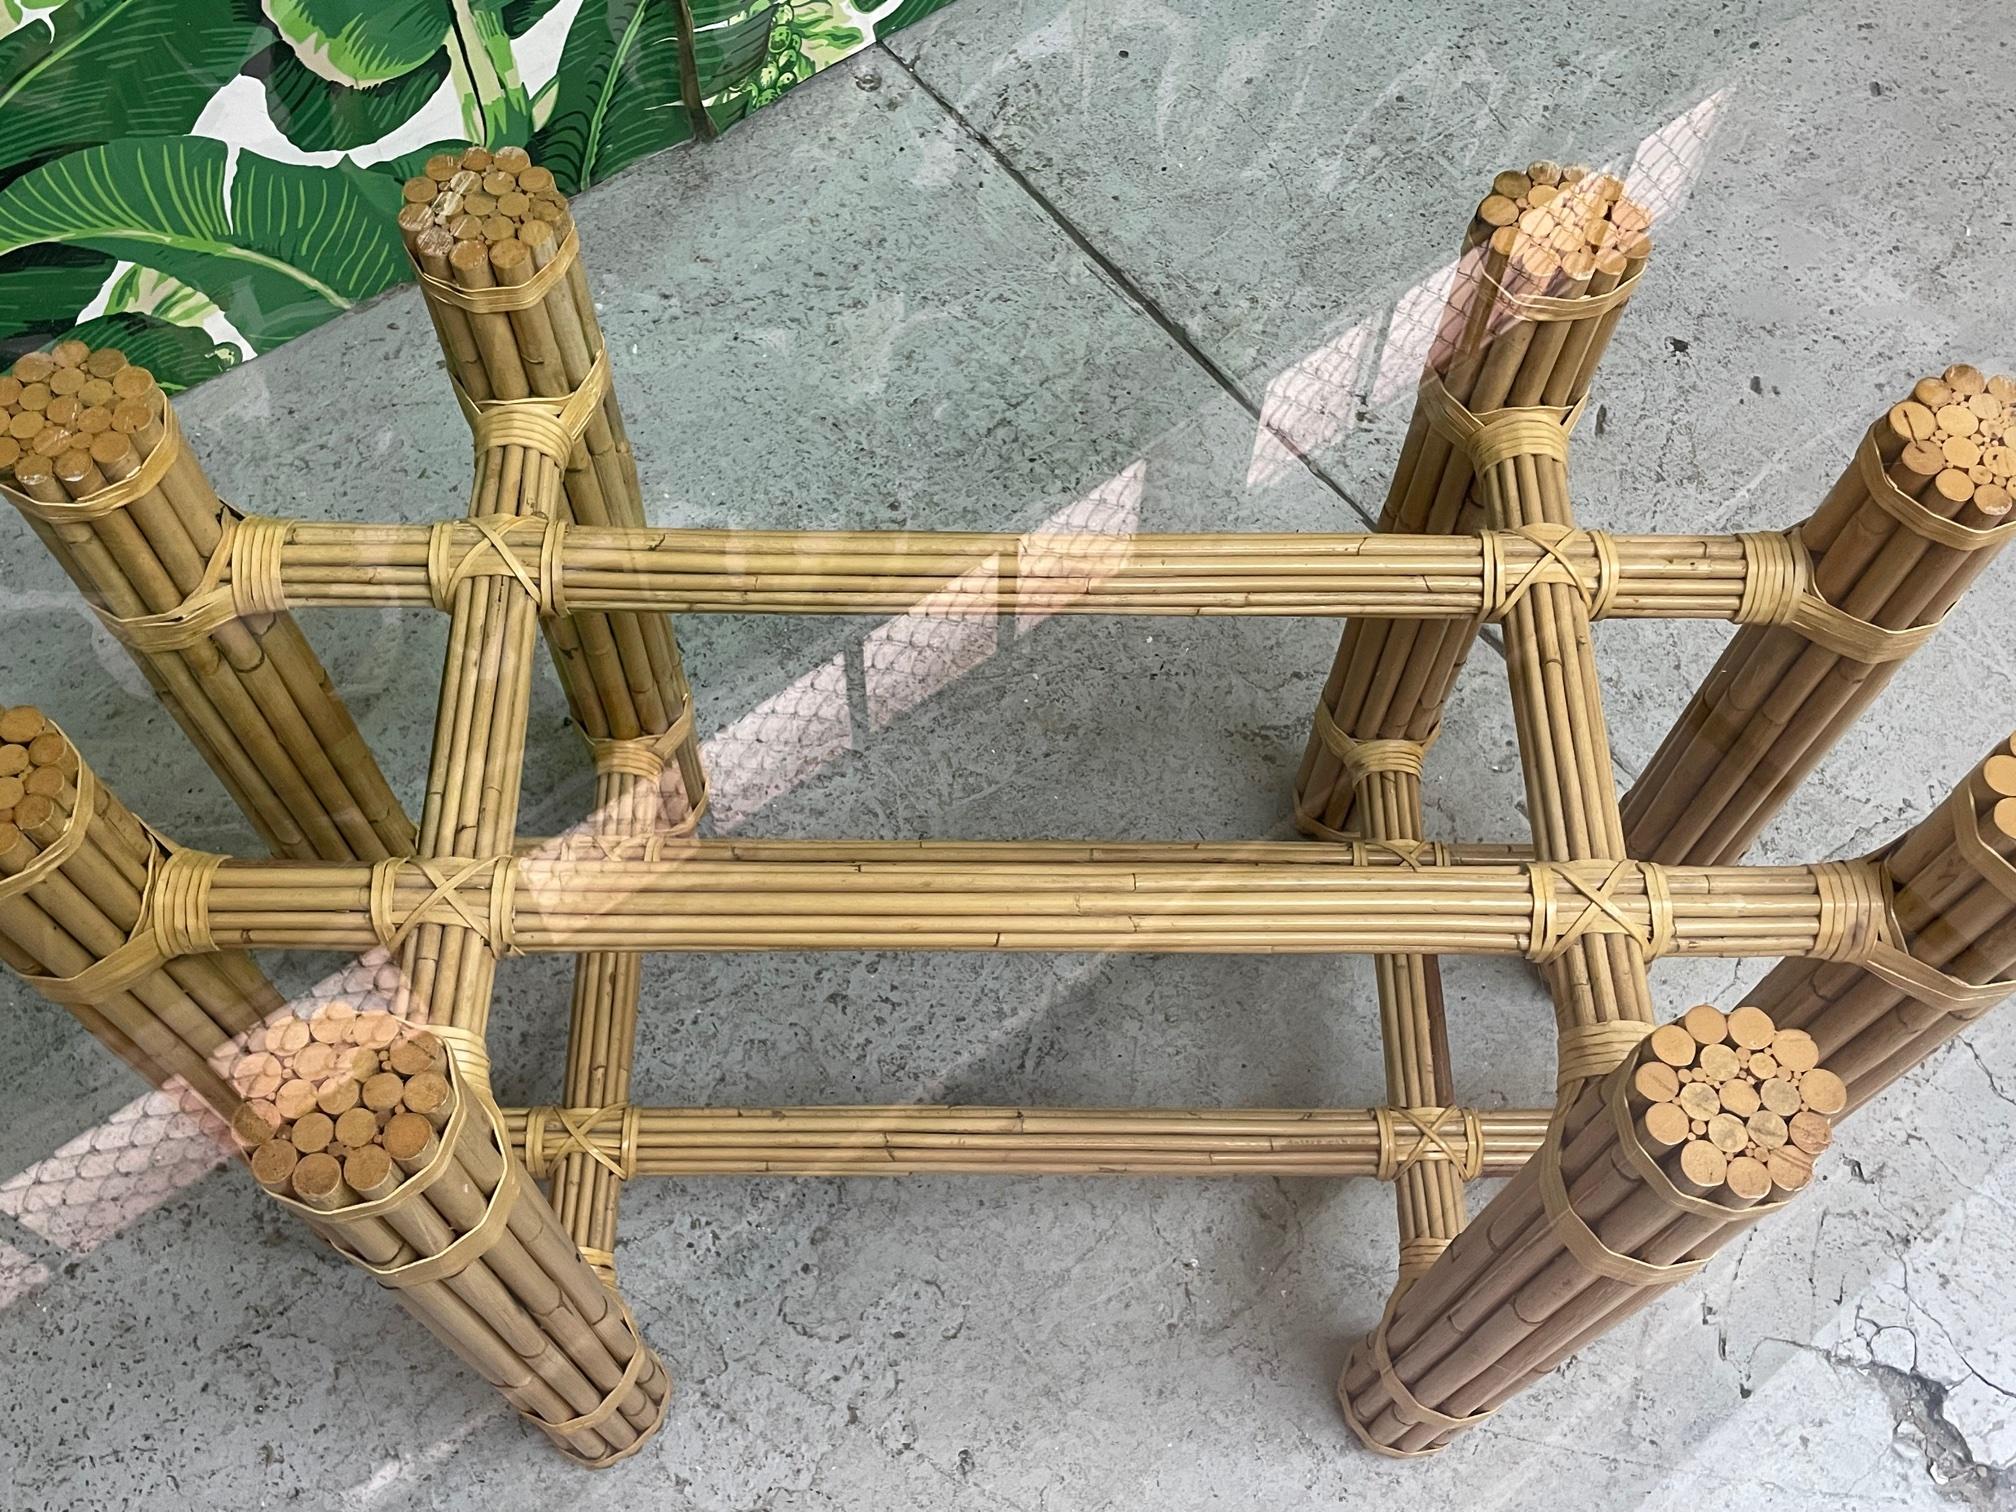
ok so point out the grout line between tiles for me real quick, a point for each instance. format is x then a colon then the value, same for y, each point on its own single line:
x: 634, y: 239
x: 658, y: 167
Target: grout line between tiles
x: 1140, y: 298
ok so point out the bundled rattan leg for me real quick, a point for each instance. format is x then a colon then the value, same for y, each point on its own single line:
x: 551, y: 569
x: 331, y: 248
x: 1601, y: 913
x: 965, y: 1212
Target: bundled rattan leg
x: 527, y: 356
x: 434, y: 1204
x: 94, y: 915
x: 1548, y: 261
x: 1955, y: 902
x: 1893, y: 546
x: 1621, y: 1203
x: 116, y: 496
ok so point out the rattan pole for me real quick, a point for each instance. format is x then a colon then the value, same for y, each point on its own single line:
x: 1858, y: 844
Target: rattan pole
x: 1539, y: 1273
x: 1911, y: 461
x: 1556, y: 1304
x: 486, y: 1299
x: 125, y: 508
x: 1686, y: 1240
x: 1786, y: 679
x: 601, y: 1038
x: 903, y: 1140
x: 1779, y: 698
x: 622, y: 671
x: 683, y: 902
x: 875, y: 572
x: 1390, y: 681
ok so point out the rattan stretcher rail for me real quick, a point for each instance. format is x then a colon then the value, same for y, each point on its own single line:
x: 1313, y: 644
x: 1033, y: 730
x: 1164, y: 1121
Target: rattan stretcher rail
x: 368, y: 1113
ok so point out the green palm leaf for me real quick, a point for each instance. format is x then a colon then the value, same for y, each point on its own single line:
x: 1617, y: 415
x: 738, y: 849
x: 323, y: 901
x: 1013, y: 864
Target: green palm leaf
x: 318, y: 115
x: 283, y: 250
x: 98, y: 69
x: 618, y: 91
x: 907, y: 12
x: 43, y: 288
x: 520, y: 16
x: 360, y: 42
x: 619, y: 94
x: 179, y: 356
x: 729, y: 47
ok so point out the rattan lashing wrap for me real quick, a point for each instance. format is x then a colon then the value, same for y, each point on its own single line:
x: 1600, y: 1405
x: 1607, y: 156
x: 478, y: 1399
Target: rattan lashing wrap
x: 1408, y: 1136
x: 647, y: 756
x: 1886, y: 959
x: 241, y: 580
x: 452, y: 561
x: 494, y: 926
x: 174, y: 919
x: 1554, y: 564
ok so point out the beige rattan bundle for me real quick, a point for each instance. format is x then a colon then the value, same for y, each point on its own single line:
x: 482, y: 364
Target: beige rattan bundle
x: 1710, y: 1123
x: 1920, y: 511
x: 1549, y: 260
x: 93, y: 457
x: 392, y: 1150
x: 85, y: 919
x: 498, y: 256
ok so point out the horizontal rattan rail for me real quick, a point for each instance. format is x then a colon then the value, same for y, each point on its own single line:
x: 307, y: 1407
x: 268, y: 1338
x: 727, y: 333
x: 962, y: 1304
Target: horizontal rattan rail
x: 581, y: 569
x: 684, y: 896
x: 908, y: 1139
x: 1048, y: 853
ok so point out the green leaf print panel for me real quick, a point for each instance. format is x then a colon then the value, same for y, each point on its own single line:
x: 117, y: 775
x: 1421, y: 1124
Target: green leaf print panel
x: 280, y: 214
x: 288, y: 248
x: 619, y: 94
x: 92, y: 70
x: 179, y: 356
x: 318, y: 115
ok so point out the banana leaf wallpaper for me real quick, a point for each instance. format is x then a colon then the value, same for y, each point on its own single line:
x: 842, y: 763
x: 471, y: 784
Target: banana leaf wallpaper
x: 198, y: 181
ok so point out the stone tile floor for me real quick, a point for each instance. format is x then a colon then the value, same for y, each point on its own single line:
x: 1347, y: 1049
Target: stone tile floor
x: 1134, y: 266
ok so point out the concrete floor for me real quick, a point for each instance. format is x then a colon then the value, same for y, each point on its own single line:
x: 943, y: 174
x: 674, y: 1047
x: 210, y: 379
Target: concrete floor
x: 1126, y: 265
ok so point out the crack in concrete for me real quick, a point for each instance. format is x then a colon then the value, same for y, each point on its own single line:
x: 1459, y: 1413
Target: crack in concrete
x: 1149, y: 306
x: 1139, y: 297
x: 1917, y: 1405
x: 1987, y: 1072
